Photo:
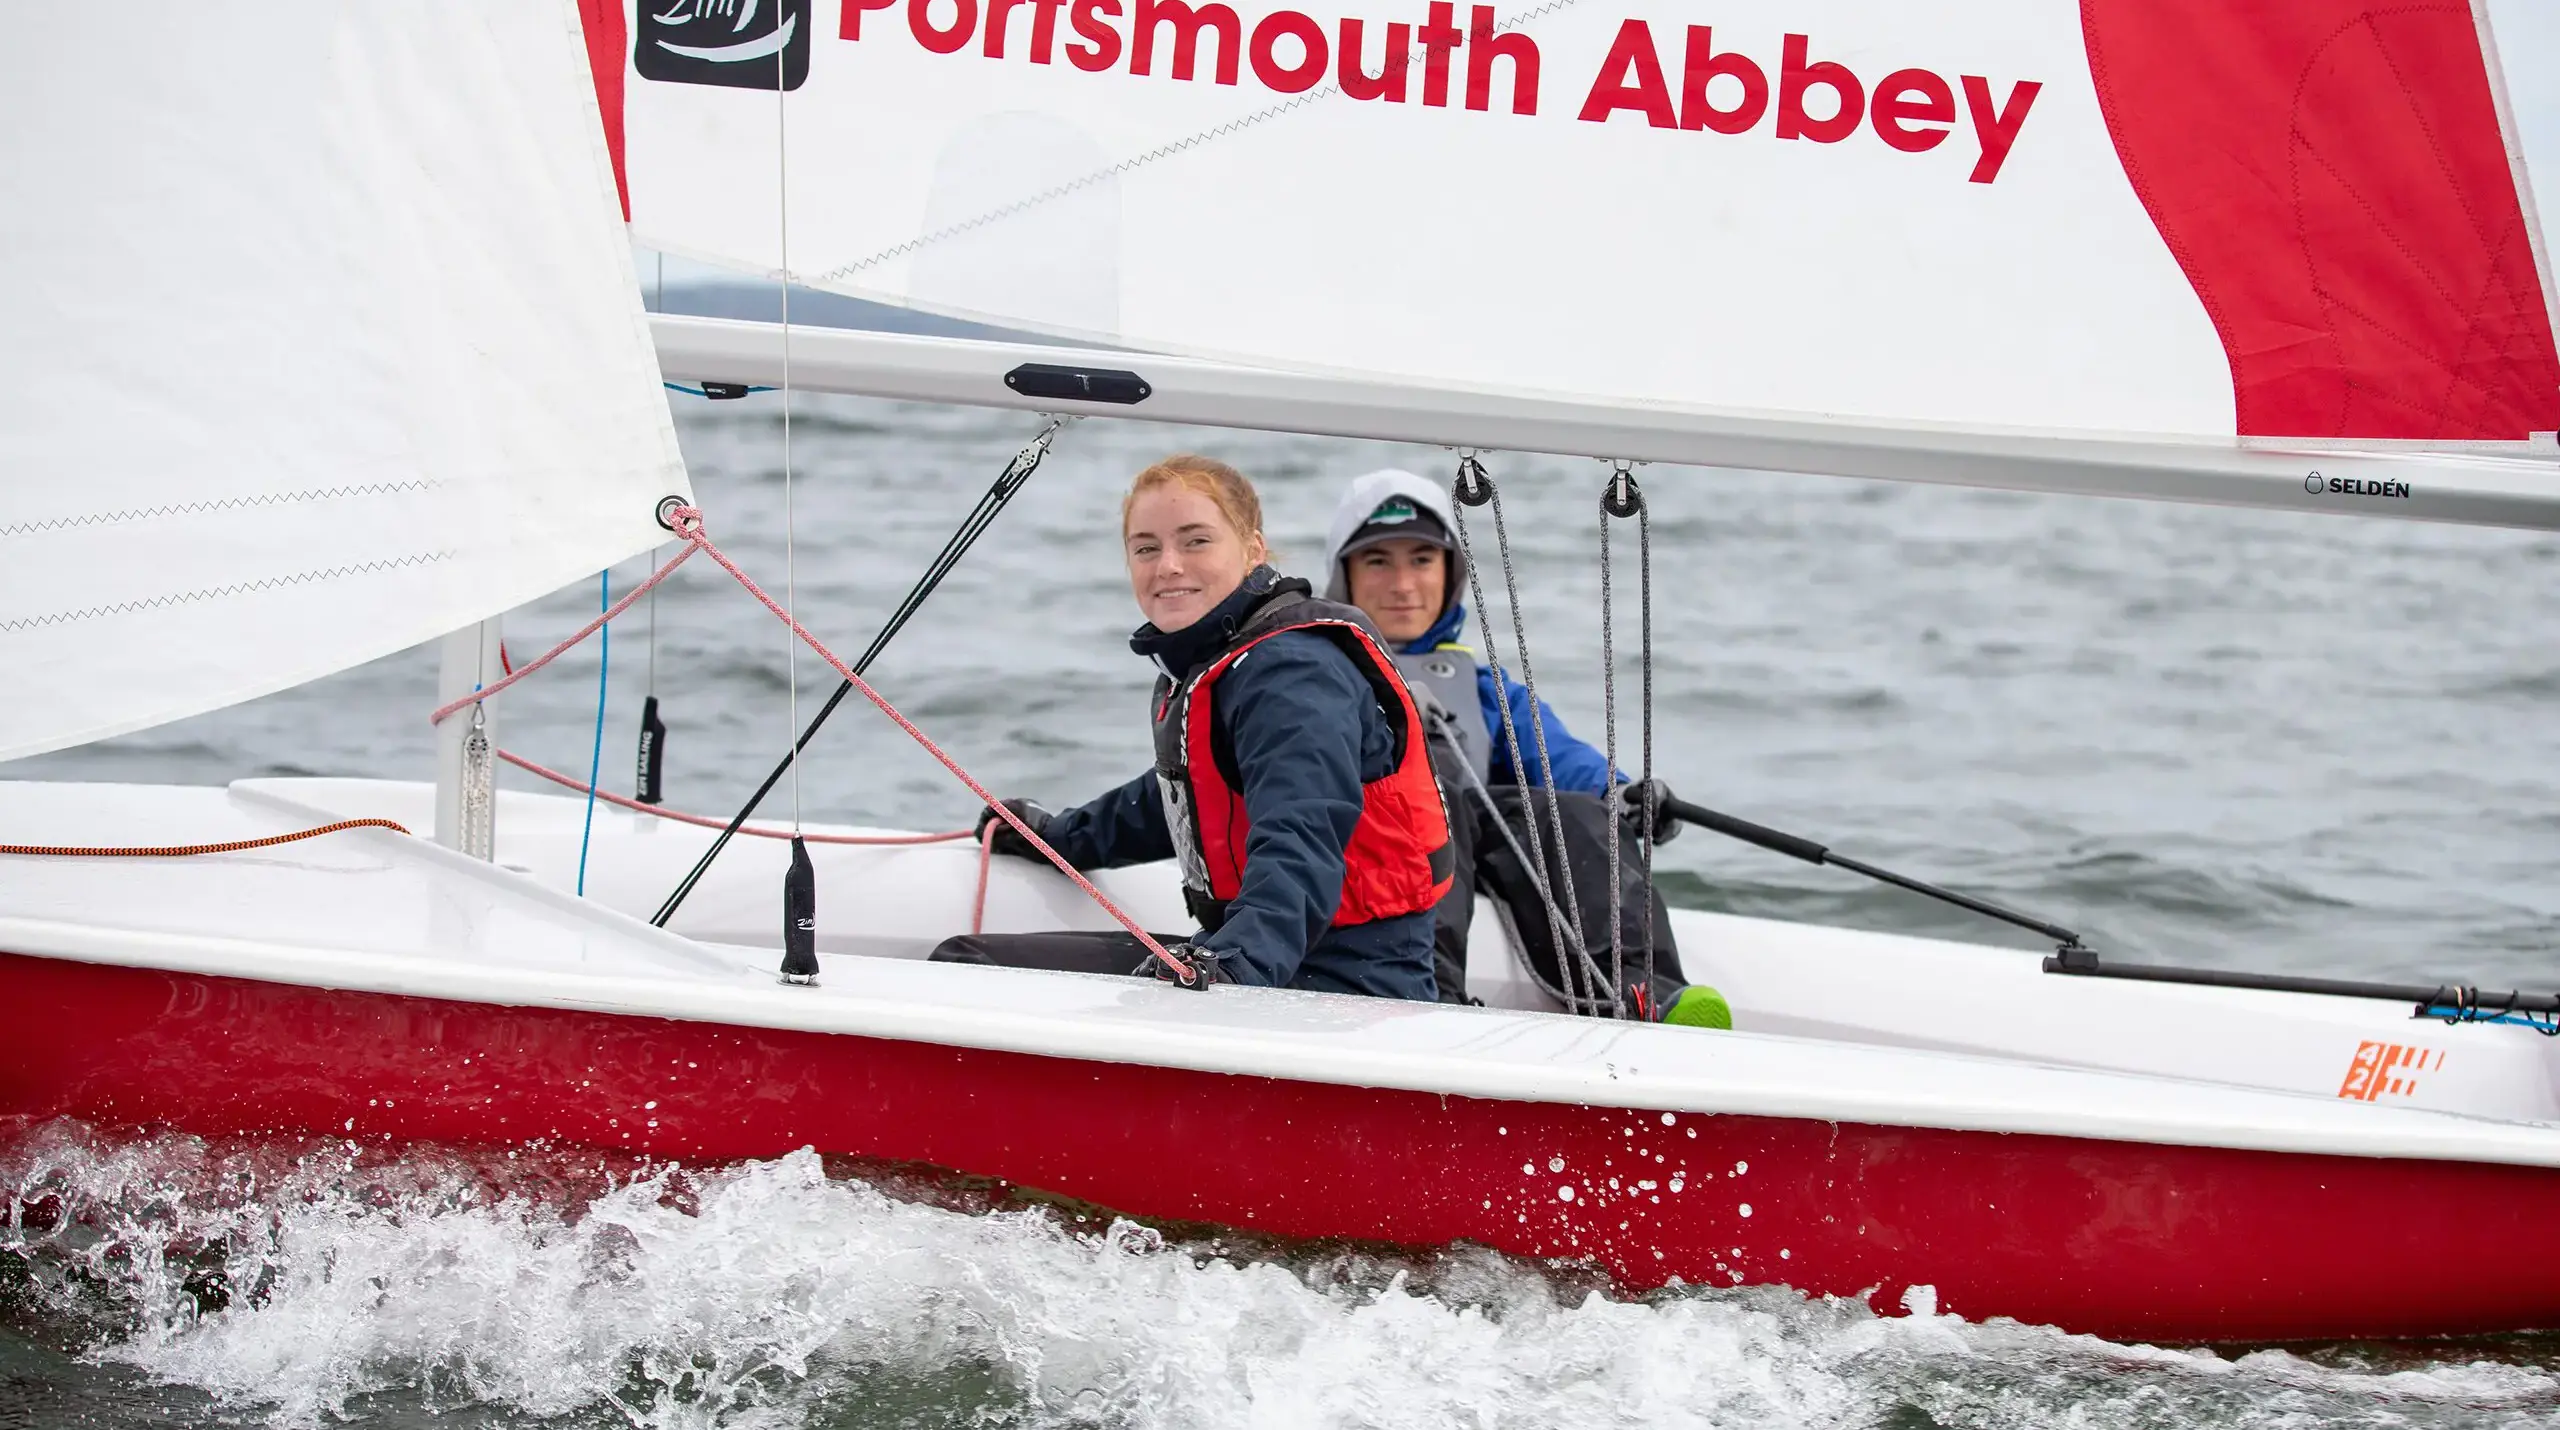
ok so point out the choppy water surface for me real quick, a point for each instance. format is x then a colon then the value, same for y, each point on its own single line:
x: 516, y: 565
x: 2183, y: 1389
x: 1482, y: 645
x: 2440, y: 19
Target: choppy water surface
x: 2207, y: 736
x: 306, y: 1282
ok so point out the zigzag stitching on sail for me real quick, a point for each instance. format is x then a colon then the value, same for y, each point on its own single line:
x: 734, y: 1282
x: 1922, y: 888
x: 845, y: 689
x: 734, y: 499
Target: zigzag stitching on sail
x: 193, y: 508
x: 1164, y: 151
x: 209, y: 593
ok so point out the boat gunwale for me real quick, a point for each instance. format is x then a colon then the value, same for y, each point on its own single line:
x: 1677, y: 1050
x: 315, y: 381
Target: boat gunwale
x: 1585, y: 1064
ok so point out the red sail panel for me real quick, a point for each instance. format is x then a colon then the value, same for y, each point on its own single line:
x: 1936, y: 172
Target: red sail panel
x: 2331, y: 177
x: 606, y: 44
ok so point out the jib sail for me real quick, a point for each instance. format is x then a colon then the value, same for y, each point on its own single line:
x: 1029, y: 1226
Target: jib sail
x: 323, y: 339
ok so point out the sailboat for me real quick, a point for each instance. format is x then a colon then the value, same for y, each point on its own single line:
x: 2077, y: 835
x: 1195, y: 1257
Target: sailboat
x: 325, y: 341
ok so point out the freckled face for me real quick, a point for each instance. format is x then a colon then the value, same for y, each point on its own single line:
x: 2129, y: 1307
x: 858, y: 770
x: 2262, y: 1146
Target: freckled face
x: 1184, y: 556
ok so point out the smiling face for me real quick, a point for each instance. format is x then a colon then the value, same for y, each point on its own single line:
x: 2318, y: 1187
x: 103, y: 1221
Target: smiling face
x: 1402, y: 584
x: 1184, y: 555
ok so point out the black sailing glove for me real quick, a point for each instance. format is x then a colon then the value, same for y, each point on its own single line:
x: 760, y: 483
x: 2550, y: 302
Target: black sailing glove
x: 1008, y: 841
x: 1203, y: 963
x: 1638, y: 797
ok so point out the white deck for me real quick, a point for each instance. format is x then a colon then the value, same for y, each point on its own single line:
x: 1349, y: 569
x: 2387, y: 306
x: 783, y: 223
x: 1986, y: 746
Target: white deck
x: 1834, y: 1024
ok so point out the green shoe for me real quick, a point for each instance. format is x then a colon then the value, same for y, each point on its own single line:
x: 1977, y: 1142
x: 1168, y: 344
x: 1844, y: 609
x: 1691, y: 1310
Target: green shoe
x: 1699, y: 1006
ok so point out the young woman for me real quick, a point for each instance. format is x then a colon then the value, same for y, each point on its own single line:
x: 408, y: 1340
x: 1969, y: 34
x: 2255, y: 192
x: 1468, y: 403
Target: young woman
x: 1292, y: 778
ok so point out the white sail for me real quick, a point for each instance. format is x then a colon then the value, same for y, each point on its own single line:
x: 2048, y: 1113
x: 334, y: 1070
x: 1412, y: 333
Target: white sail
x: 2178, y: 219
x: 322, y: 338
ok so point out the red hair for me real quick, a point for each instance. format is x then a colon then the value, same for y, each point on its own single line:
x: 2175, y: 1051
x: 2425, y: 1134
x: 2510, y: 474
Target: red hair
x: 1228, y: 488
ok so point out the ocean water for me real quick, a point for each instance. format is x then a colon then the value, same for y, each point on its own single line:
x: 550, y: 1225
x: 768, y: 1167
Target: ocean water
x: 309, y: 1283
x: 2231, y: 738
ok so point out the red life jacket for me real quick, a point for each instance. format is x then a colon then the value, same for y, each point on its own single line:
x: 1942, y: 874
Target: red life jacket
x: 1399, y: 860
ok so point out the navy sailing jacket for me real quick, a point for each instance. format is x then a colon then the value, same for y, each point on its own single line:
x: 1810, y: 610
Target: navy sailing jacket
x: 1307, y: 734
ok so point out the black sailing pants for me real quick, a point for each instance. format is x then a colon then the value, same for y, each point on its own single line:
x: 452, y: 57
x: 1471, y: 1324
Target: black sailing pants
x: 1063, y: 952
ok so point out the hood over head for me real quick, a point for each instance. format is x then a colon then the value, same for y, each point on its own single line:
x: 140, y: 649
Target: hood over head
x: 1361, y: 502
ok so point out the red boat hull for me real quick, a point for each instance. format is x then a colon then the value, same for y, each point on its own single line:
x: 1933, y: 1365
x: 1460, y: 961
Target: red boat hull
x: 2117, y: 1238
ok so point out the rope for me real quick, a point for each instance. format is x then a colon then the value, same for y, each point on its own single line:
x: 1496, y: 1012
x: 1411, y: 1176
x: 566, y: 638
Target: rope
x: 2547, y: 1024
x: 1474, y: 487
x: 980, y: 517
x: 595, y: 757
x: 986, y: 846
x: 1609, y: 737
x: 1652, y: 791
x: 1520, y: 955
x: 1620, y: 498
x: 706, y: 822
x: 689, y: 525
x: 986, y: 865
x: 180, y: 851
x: 446, y: 712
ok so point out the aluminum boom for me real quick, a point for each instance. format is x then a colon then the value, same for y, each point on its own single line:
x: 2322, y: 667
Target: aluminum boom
x: 2477, y: 488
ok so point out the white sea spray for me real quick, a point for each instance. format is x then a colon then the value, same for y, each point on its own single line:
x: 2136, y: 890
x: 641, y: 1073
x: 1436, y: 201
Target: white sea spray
x: 308, y: 1284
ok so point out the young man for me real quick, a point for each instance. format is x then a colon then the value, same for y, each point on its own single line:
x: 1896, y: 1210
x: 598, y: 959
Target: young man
x: 1393, y: 554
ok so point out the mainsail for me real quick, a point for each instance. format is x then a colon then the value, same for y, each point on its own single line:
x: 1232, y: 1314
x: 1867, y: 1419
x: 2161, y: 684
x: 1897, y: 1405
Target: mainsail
x: 2187, y: 219
x: 323, y: 339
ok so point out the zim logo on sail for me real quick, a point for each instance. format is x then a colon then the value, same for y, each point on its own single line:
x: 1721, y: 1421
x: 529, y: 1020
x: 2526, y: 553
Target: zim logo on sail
x: 733, y: 43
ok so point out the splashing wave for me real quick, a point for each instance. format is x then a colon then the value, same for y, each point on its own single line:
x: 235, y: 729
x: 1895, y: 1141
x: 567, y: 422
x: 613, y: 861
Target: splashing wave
x: 303, y: 1282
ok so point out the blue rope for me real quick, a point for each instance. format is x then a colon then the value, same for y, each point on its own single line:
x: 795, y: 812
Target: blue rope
x: 595, y: 760
x: 2546, y: 1024
x: 698, y: 392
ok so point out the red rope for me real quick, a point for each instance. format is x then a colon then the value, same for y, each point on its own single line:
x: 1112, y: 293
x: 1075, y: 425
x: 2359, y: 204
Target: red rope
x: 517, y: 673
x: 180, y: 851
x: 986, y: 862
x: 706, y: 822
x: 688, y: 523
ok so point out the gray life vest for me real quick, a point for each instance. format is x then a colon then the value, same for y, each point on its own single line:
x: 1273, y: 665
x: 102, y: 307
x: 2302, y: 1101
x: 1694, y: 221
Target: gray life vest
x: 1445, y: 678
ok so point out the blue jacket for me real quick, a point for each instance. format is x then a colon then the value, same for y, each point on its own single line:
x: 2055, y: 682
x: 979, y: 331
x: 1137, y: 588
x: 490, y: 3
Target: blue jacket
x: 1577, y: 765
x: 1307, y: 734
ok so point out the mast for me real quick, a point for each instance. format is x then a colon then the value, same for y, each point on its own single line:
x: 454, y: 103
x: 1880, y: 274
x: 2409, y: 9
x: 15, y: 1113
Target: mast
x: 466, y: 790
